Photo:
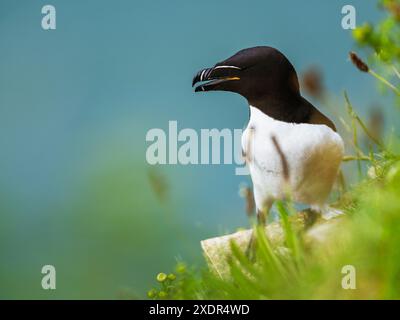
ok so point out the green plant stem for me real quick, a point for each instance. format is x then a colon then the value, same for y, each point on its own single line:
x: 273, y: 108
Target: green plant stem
x: 363, y: 126
x: 355, y: 139
x: 384, y: 81
x: 356, y: 158
x: 397, y: 73
x: 360, y: 122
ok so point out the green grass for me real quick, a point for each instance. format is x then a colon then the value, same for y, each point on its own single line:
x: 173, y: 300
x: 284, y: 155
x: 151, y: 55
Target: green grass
x: 367, y: 238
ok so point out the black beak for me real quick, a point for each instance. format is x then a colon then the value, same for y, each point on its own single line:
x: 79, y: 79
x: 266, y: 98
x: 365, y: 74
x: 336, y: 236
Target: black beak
x: 215, y: 78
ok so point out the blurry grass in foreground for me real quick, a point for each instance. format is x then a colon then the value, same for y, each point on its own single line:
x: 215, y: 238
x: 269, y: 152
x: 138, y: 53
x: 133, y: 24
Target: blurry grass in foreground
x: 367, y: 238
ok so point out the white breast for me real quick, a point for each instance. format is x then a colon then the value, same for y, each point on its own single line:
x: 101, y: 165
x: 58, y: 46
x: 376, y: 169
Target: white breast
x: 313, y: 153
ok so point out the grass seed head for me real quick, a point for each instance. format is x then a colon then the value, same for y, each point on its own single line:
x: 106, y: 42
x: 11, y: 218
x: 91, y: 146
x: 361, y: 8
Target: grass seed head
x: 360, y: 64
x: 152, y: 293
x: 161, y: 277
x: 312, y: 82
x: 171, y: 277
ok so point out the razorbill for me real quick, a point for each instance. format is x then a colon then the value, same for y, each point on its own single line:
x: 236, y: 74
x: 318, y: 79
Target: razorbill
x: 288, y: 143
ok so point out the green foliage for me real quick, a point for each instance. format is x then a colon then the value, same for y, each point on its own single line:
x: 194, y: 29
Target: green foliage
x: 367, y: 238
x: 382, y: 42
x: 382, y: 38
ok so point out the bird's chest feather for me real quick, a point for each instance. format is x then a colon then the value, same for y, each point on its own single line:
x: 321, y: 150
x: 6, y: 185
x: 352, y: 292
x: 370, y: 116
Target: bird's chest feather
x: 303, y: 146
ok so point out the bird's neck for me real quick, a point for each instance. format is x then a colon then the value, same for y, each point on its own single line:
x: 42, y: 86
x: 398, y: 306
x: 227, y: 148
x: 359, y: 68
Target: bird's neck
x: 291, y: 109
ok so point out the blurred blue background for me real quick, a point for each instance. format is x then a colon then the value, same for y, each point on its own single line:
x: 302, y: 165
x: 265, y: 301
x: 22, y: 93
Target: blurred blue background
x: 76, y: 104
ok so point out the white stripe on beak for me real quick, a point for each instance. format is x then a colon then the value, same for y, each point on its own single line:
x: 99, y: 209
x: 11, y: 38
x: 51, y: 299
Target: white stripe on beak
x: 202, y: 74
x: 227, y: 67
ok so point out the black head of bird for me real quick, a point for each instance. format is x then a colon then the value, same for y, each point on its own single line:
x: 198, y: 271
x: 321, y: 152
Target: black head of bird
x: 255, y: 73
x: 268, y: 81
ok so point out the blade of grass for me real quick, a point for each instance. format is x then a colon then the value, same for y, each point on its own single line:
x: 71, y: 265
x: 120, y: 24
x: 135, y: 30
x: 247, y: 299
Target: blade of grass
x: 292, y: 240
x: 384, y: 81
x: 354, y: 116
x: 267, y: 254
x: 358, y: 158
